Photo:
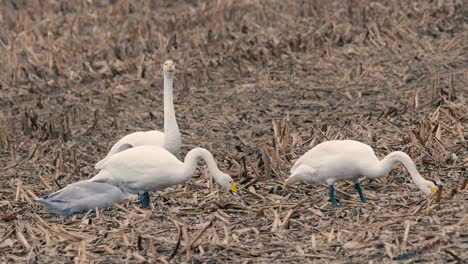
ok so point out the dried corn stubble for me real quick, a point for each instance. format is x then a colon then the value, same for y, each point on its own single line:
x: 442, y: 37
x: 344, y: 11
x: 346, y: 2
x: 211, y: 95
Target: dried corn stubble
x: 322, y: 70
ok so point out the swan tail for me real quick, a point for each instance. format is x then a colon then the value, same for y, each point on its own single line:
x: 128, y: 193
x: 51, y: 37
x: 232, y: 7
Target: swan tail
x: 58, y: 207
x: 103, y: 177
x: 302, y: 173
x: 114, y: 150
x: 100, y: 163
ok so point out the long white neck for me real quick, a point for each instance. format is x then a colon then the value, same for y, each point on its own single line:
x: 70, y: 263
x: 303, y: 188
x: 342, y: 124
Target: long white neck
x: 381, y: 168
x: 191, y: 161
x: 172, y: 140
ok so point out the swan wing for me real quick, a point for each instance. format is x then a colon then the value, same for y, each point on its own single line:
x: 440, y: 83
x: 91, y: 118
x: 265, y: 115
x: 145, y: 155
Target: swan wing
x: 153, y: 138
x: 101, y: 163
x: 336, y: 160
x: 330, y: 151
x: 315, y: 157
x: 82, y: 196
x: 140, y: 169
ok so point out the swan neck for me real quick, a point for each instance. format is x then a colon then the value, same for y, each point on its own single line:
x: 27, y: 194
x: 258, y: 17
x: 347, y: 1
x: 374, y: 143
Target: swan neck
x: 171, y: 129
x: 191, y: 161
x: 385, y: 165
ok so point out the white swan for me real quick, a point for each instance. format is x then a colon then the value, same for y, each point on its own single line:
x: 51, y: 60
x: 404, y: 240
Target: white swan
x: 81, y: 196
x: 170, y: 139
x: 85, y: 195
x: 150, y: 168
x: 336, y: 160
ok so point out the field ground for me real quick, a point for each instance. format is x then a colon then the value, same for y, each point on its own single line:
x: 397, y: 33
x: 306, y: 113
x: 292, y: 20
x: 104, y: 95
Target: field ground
x: 258, y: 83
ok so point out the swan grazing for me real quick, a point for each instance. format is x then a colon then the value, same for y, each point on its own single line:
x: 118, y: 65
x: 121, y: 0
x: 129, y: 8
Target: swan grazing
x: 336, y: 160
x: 170, y: 139
x: 81, y: 196
x: 150, y: 168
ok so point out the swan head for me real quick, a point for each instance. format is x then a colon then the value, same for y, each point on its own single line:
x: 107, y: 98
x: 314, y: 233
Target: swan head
x: 168, y: 67
x: 428, y: 187
x: 225, y: 181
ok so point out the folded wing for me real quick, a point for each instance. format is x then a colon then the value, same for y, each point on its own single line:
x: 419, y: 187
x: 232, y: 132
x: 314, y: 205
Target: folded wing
x: 82, y: 196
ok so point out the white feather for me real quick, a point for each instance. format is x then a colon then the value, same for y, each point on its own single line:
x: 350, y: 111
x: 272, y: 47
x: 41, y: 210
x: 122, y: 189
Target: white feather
x: 337, y: 160
x: 170, y: 139
x: 150, y: 168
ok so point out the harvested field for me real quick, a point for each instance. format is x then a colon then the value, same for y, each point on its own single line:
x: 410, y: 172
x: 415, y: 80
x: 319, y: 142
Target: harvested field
x: 258, y: 83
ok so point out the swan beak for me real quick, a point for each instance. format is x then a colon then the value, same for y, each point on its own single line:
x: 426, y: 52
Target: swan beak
x: 233, y: 187
x: 433, y: 190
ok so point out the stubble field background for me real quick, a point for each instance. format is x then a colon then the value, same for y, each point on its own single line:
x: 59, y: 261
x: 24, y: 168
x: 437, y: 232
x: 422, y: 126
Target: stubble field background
x: 258, y: 83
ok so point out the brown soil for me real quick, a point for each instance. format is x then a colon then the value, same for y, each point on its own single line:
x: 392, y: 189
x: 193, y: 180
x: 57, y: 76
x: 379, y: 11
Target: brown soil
x: 258, y: 83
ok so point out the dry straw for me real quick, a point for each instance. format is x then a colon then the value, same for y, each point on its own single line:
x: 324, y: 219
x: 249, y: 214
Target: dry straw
x: 258, y: 83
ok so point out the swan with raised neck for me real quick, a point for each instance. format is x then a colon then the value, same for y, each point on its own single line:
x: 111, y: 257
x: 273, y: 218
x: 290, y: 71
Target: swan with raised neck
x: 170, y: 139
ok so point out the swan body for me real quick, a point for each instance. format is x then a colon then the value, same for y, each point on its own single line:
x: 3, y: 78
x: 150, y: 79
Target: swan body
x: 337, y: 160
x: 81, y: 196
x: 170, y: 139
x: 85, y: 195
x: 150, y: 168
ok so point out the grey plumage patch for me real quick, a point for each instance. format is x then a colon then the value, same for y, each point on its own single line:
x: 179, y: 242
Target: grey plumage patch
x: 82, y: 196
x: 125, y: 147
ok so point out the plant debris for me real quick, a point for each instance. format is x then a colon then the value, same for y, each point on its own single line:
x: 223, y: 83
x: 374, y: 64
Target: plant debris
x: 258, y: 83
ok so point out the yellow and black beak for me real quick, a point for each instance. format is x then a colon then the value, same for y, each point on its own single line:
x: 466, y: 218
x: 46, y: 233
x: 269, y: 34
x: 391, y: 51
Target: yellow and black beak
x: 233, y: 187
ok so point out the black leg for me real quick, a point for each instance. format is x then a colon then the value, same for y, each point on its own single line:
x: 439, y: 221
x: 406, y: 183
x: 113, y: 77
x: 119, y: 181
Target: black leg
x: 144, y: 200
x: 331, y: 191
x: 359, y: 190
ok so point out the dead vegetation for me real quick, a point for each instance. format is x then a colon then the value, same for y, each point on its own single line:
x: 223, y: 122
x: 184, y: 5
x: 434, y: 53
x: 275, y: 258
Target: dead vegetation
x: 258, y: 83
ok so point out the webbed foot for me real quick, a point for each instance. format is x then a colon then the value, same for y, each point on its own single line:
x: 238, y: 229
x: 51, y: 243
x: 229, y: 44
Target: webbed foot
x: 144, y: 200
